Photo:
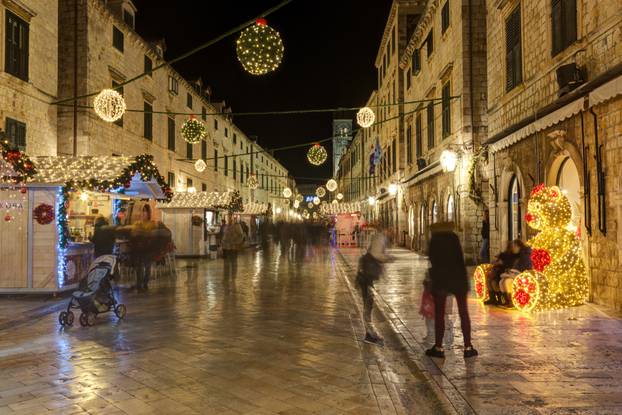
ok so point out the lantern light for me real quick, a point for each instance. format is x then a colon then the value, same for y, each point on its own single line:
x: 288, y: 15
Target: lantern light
x: 317, y: 155
x: 260, y: 48
x: 371, y: 200
x: 316, y: 200
x: 392, y: 189
x: 449, y: 160
x: 191, y: 189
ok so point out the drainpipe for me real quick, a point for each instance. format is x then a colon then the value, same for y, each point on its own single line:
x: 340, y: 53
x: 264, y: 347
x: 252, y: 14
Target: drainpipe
x: 600, y: 178
x: 587, y: 187
x: 75, y: 78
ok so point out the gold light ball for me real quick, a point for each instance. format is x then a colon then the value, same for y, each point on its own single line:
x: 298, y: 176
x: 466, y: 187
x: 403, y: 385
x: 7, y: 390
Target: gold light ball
x: 335, y: 202
x: 299, y: 198
x: 331, y: 185
x: 200, y: 166
x: 260, y: 48
x: 109, y: 105
x: 339, y: 196
x: 310, y: 205
x: 252, y: 182
x: 287, y: 192
x: 320, y: 192
x: 296, y: 204
x: 365, y: 117
x: 193, y: 131
x: 317, y: 155
x: 316, y: 200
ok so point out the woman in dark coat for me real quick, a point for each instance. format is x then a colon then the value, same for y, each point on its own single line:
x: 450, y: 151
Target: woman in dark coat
x: 448, y: 276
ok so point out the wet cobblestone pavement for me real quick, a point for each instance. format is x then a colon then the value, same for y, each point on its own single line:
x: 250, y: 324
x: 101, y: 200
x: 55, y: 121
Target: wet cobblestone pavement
x: 562, y: 362
x: 282, y: 337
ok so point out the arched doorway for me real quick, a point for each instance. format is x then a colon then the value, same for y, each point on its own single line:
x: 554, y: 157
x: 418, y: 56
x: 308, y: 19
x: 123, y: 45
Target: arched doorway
x: 450, y: 208
x: 515, y: 217
x: 568, y: 181
x: 434, y: 212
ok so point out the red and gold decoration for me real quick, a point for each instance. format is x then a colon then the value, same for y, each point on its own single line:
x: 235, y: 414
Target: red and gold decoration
x: 43, y: 214
x: 479, y: 281
x: 23, y: 168
x: 260, y: 48
x: 317, y: 155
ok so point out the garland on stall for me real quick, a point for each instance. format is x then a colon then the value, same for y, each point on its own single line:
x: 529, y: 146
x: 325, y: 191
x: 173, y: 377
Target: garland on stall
x: 142, y: 165
x: 475, y: 191
x: 18, y: 160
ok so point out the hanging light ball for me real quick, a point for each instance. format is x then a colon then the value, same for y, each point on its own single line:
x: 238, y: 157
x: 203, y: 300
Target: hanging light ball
x: 200, y: 166
x: 320, y: 191
x: 193, y: 131
x: 316, y: 200
x: 252, y: 182
x: 317, y: 155
x: 331, y: 185
x: 371, y: 200
x: 260, y: 48
x: 296, y: 204
x: 287, y: 192
x: 310, y: 205
x: 299, y: 198
x: 339, y: 196
x: 335, y: 202
x: 365, y: 117
x: 109, y: 105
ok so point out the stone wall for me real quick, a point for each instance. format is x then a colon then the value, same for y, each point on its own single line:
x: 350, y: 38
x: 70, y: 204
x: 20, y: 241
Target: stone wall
x: 29, y: 101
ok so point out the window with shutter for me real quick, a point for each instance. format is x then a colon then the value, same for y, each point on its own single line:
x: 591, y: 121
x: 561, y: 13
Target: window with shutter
x: 215, y: 160
x: 563, y: 24
x: 418, y: 137
x: 216, y: 124
x: 235, y: 169
x: 16, y: 46
x: 117, y: 39
x: 203, y: 114
x: 189, y: 100
x: 446, y: 110
x: 513, y: 54
x: 188, y: 183
x: 173, y: 85
x: 409, y: 145
x: 394, y: 160
x: 226, y: 165
x: 148, y: 121
x: 408, y: 76
x: 16, y: 133
x: 430, y: 125
x: 203, y: 187
x: 429, y: 41
x: 171, y: 180
x: 416, y: 61
x: 189, y: 151
x: 148, y: 65
x: 445, y: 17
x: 203, y: 149
x: 171, y: 134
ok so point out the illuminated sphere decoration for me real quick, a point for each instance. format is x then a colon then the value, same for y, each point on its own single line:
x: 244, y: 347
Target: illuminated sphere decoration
x: 109, y: 105
x: 365, y: 117
x: 252, y: 182
x: 317, y: 155
x: 335, y: 202
x: 331, y: 185
x: 200, y: 166
x: 339, y: 196
x: 299, y: 198
x: 260, y: 48
x: 320, y: 192
x: 310, y: 205
x: 316, y: 200
x: 193, y: 131
x: 296, y: 204
x: 287, y: 192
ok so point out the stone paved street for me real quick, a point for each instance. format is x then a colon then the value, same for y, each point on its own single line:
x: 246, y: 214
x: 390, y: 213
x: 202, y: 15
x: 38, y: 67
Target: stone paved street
x: 283, y: 337
x: 563, y: 362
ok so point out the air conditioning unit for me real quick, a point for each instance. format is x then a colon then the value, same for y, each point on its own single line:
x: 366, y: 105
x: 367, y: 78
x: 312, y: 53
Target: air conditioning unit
x: 569, y: 77
x: 421, y: 163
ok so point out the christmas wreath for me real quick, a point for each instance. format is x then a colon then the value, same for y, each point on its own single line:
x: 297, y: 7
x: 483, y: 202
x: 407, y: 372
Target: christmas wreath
x: 197, y: 221
x: 44, y: 214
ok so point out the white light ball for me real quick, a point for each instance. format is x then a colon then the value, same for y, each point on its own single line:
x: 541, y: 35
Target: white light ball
x: 200, y: 166
x: 300, y: 198
x: 371, y: 200
x: 296, y: 204
x: 339, y: 196
x: 320, y: 192
x: 316, y: 200
x: 331, y: 185
x: 287, y: 192
x: 109, y: 105
x: 365, y: 117
x: 335, y: 202
x: 310, y: 205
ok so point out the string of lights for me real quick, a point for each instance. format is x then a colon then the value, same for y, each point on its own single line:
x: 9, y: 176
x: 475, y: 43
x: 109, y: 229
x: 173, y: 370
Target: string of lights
x: 187, y: 54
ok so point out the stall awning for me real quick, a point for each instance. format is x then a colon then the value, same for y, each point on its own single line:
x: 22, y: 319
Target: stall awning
x: 255, y: 208
x: 606, y: 91
x: 340, y: 208
x: 131, y: 176
x: 540, y: 124
x: 200, y: 200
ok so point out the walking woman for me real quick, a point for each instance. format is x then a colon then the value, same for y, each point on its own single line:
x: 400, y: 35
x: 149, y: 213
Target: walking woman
x: 448, y: 276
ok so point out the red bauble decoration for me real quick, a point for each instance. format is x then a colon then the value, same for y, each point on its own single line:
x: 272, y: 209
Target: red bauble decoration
x: 7, y: 217
x: 540, y: 258
x: 261, y: 21
x: 127, y: 185
x: 537, y: 189
x: 13, y: 155
x: 522, y: 297
x: 529, y: 217
x: 23, y: 190
x: 43, y: 214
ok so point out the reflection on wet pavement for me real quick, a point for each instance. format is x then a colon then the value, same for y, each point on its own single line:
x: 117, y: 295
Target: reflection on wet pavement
x: 562, y: 362
x: 282, y: 337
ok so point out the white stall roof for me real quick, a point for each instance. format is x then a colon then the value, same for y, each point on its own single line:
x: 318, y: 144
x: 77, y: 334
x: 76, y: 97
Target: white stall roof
x: 340, y: 208
x: 198, y: 200
x: 255, y: 208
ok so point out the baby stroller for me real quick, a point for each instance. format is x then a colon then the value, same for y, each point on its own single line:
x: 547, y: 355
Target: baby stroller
x: 95, y: 295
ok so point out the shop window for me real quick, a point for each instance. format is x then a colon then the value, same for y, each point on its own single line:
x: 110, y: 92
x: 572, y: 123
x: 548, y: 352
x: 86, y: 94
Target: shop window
x: 16, y: 46
x: 514, y: 210
x: 434, y: 212
x: 570, y: 185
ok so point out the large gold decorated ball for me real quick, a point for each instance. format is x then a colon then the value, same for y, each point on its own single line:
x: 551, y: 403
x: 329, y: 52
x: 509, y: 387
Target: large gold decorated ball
x: 260, y: 48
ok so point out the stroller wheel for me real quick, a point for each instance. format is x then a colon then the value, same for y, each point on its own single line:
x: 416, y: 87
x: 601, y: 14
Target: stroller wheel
x: 120, y: 311
x: 83, y: 321
x: 62, y: 318
x: 90, y: 319
x: 70, y: 318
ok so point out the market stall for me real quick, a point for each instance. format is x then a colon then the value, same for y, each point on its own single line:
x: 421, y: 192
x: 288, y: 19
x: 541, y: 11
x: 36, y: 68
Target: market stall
x: 253, y: 216
x: 195, y: 219
x: 347, y: 219
x: 45, y: 237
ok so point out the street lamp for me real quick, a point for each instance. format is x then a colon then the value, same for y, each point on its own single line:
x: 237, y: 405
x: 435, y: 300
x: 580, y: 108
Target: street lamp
x: 449, y: 160
x: 371, y: 200
x: 392, y: 189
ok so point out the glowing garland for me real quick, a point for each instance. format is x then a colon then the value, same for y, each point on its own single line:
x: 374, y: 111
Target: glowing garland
x: 317, y: 155
x: 193, y: 131
x: 19, y: 162
x: 260, y: 48
x: 109, y: 105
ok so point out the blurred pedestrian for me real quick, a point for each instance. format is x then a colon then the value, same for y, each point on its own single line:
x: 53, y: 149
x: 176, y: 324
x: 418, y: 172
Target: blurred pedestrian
x: 104, y: 237
x: 484, y: 252
x: 371, y: 268
x: 448, y: 276
x: 141, y: 240
x: 232, y: 242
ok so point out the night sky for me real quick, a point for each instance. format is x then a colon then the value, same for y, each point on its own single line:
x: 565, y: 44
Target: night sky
x: 330, y: 47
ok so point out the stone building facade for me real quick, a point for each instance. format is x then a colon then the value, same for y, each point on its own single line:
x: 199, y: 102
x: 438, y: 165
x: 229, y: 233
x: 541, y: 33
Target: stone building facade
x: 29, y: 74
x: 444, y: 69
x: 555, y: 117
x: 109, y: 52
x: 402, y: 19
